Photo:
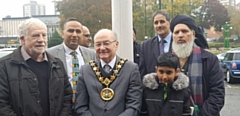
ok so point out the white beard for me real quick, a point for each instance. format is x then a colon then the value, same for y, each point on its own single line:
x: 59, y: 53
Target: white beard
x: 183, y: 50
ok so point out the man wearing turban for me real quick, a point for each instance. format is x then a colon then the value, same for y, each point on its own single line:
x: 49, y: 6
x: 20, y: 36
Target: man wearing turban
x: 202, y: 67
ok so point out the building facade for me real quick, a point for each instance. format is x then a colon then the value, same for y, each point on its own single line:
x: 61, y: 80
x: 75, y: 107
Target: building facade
x: 228, y: 2
x: 9, y: 26
x: 33, y: 8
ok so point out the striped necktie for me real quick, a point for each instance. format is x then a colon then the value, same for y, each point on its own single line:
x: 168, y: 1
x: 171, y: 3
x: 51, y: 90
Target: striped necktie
x: 75, y: 73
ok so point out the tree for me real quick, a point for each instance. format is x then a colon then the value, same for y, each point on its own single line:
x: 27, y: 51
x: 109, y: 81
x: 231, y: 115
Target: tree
x: 215, y: 14
x: 234, y: 14
x: 142, y: 17
x: 55, y: 40
x: 95, y: 14
x: 187, y: 7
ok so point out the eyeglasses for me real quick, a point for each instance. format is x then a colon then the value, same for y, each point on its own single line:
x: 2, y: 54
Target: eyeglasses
x: 105, y: 44
x: 87, y: 35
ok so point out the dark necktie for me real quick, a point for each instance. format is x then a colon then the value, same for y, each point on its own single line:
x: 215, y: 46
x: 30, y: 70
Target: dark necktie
x: 107, y: 68
x: 161, y: 46
x: 75, y: 73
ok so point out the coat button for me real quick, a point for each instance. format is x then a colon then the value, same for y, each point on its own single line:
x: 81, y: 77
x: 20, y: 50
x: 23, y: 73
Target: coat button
x: 105, y: 110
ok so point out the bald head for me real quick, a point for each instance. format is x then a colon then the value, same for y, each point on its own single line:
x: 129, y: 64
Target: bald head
x: 86, y: 39
x: 106, y: 44
x: 112, y: 34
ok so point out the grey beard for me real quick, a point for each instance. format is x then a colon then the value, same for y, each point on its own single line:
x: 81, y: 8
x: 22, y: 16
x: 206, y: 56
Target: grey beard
x: 183, y: 50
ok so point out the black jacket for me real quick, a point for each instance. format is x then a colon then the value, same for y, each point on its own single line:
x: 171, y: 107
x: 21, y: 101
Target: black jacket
x: 177, y: 102
x: 136, y: 52
x: 20, y: 94
x: 213, y: 85
x: 149, y: 54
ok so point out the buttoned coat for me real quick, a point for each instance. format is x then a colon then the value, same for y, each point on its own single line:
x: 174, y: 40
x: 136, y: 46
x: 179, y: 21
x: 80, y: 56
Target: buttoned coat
x: 127, y: 88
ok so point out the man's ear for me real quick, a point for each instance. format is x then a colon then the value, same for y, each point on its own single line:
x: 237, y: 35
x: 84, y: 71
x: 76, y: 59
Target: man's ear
x: 22, y: 39
x: 177, y: 71
x: 156, y: 68
x: 194, y: 33
x: 62, y: 34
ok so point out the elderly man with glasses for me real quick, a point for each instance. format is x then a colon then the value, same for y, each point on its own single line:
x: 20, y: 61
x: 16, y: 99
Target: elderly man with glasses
x: 110, y: 86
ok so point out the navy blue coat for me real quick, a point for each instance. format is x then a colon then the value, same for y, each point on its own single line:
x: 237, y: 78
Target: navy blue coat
x: 213, y: 85
x: 148, y: 56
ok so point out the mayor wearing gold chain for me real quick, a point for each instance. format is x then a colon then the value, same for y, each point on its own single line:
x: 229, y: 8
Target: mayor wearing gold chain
x: 111, y: 85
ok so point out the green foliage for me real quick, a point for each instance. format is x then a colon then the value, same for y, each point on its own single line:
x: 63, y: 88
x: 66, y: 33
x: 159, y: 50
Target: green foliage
x: 142, y: 17
x: 235, y: 17
x: 215, y: 52
x: 213, y: 14
x: 55, y: 40
x: 175, y: 7
x: 143, y: 10
x: 95, y: 14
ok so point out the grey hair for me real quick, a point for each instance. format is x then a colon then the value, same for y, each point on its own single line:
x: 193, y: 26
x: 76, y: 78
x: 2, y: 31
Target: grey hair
x: 162, y: 12
x: 113, y: 34
x: 25, y: 25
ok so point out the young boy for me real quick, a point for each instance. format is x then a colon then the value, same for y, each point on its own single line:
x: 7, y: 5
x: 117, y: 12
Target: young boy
x: 166, y: 92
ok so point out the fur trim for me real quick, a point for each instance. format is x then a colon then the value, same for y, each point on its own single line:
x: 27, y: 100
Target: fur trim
x: 181, y: 82
x: 150, y: 81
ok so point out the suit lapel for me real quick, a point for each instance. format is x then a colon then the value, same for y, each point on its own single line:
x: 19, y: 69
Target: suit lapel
x: 115, y: 82
x: 155, y: 47
x: 170, y: 47
x: 61, y: 55
x: 83, y: 54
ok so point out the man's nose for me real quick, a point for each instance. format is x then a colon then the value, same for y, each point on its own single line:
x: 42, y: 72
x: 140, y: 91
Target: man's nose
x: 74, y: 33
x: 41, y: 38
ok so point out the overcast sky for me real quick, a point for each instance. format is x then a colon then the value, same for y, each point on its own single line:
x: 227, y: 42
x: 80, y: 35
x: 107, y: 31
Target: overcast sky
x: 14, y: 8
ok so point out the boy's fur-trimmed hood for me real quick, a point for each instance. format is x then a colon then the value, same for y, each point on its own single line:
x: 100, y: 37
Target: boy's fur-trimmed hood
x: 150, y: 81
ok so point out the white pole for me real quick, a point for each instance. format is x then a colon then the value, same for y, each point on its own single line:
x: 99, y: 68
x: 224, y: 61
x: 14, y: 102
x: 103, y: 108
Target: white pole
x: 123, y: 26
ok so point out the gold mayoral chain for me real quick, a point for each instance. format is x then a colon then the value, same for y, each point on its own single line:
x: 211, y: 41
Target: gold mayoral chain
x: 107, y: 93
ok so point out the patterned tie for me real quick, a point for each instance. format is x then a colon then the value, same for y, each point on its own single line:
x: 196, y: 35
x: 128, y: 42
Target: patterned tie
x: 107, y: 68
x: 75, y: 73
x: 161, y: 46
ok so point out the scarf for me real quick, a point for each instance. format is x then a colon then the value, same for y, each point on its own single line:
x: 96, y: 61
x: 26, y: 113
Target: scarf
x: 195, y: 75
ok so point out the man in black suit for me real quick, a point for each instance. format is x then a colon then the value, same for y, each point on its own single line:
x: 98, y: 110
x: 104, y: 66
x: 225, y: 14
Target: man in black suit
x: 157, y: 45
x: 136, y: 48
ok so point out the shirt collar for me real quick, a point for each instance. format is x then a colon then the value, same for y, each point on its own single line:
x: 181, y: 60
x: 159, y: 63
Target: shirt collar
x: 69, y: 51
x: 26, y: 56
x: 111, y: 63
x: 167, y: 38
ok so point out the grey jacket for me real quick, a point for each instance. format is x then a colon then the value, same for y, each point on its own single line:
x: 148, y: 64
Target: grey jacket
x: 59, y: 52
x: 127, y: 88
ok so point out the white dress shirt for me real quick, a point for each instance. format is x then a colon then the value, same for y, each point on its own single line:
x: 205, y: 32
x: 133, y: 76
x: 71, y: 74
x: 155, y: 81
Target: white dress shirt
x: 111, y: 63
x: 69, y: 60
x: 167, y: 43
